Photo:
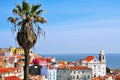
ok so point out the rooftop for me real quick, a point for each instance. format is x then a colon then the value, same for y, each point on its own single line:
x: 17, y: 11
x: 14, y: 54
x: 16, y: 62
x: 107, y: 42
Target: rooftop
x: 89, y: 58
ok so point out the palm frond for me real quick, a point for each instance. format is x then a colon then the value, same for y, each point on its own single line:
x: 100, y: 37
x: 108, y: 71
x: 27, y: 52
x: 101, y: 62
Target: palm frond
x: 15, y: 11
x: 40, y: 19
x: 12, y: 20
x: 39, y: 31
x: 43, y: 20
x: 19, y: 8
x: 39, y: 12
x: 26, y: 8
x: 35, y: 8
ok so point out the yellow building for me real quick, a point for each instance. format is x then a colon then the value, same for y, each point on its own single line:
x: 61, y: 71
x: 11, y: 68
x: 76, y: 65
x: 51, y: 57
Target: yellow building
x: 12, y: 51
x: 16, y: 51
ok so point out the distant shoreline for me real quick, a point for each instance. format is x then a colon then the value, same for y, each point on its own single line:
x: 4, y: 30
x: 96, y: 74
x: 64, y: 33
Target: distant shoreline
x: 112, y: 58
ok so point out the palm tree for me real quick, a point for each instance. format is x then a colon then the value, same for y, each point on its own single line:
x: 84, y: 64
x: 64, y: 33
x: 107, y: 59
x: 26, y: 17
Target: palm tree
x: 27, y: 27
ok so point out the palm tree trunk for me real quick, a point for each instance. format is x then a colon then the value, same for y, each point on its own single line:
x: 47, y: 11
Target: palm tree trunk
x: 26, y: 67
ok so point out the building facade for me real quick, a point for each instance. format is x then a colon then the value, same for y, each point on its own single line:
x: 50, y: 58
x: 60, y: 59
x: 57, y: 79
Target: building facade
x: 98, y: 66
x: 74, y: 73
x: 49, y: 73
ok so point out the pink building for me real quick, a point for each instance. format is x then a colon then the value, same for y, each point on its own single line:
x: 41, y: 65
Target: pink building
x: 40, y: 61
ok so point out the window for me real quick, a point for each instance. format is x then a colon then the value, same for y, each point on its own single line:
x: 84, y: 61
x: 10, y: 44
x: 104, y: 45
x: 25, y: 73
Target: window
x: 99, y: 68
x: 73, y: 77
x: 94, y: 65
x: 74, y: 72
x: 94, y: 60
x: 88, y: 76
x: 60, y: 76
x: 77, y: 77
x: 64, y: 71
x: 84, y: 76
x: 82, y: 72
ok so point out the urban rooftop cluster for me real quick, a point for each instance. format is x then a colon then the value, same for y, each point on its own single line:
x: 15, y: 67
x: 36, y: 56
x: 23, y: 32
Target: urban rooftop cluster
x: 49, y: 68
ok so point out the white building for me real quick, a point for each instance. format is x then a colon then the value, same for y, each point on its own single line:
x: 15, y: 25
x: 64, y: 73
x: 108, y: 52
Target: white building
x: 49, y: 73
x: 52, y: 74
x: 98, y: 66
x: 74, y: 73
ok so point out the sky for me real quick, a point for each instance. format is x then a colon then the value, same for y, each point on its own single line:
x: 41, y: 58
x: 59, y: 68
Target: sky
x: 73, y: 26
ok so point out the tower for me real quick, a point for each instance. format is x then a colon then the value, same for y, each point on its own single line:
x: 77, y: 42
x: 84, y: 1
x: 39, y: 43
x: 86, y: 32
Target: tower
x: 102, y: 60
x: 102, y: 57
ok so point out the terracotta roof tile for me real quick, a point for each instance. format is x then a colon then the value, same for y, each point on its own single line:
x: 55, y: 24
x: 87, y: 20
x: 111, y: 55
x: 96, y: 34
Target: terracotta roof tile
x: 6, y: 70
x: 79, y: 68
x: 20, y: 57
x: 61, y: 66
x: 89, y: 58
x: 97, y: 78
x: 12, y: 78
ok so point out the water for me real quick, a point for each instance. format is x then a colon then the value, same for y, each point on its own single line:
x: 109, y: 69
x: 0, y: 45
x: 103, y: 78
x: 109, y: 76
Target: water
x: 113, y: 60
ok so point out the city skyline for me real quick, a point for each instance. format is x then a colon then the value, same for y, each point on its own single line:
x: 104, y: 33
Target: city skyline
x: 81, y: 26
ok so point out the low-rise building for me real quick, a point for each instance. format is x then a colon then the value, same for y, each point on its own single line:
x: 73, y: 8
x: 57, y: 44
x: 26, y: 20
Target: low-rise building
x: 6, y: 72
x: 49, y: 72
x: 74, y: 73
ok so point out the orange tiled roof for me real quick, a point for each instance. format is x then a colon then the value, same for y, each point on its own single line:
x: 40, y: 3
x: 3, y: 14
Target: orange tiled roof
x: 3, y: 70
x: 6, y: 70
x: 20, y: 57
x: 41, y: 59
x: 12, y: 78
x: 20, y: 63
x: 97, y: 78
x: 72, y: 63
x: 61, y: 66
x: 89, y: 58
x: 31, y: 62
x: 118, y: 77
x: 78, y: 68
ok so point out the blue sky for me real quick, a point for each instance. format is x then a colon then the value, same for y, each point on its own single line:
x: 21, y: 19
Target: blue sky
x: 74, y: 26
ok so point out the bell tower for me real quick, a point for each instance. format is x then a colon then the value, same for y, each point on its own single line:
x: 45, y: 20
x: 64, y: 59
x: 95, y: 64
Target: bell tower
x: 102, y: 57
x: 102, y: 60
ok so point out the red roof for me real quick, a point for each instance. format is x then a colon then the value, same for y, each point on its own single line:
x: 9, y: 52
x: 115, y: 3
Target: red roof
x: 89, y: 58
x: 41, y: 59
x: 12, y: 78
x: 61, y: 66
x: 6, y: 70
x: 20, y: 57
x: 118, y: 77
x: 79, y: 68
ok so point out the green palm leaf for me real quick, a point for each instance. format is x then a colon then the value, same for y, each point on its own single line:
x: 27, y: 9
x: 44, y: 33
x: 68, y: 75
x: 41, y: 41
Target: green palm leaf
x: 39, y: 12
x: 26, y: 8
x: 19, y: 8
x: 35, y: 8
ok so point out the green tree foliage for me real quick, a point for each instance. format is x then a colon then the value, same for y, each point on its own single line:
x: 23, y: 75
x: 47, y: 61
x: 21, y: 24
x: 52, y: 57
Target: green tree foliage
x: 107, y: 70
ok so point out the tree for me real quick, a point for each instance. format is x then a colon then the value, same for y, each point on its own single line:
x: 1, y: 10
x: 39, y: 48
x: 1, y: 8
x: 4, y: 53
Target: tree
x: 107, y: 70
x: 26, y: 25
